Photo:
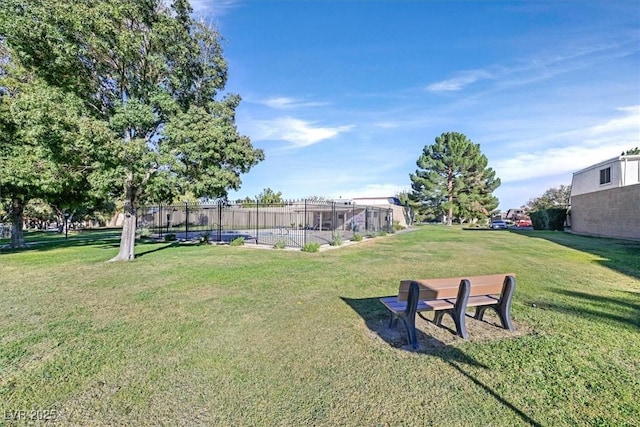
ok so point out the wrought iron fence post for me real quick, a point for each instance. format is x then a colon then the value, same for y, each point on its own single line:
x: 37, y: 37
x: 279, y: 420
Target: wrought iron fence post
x: 186, y: 221
x: 353, y: 219
x: 257, y: 219
x: 366, y: 218
x: 219, y: 231
x: 333, y: 217
x: 304, y: 236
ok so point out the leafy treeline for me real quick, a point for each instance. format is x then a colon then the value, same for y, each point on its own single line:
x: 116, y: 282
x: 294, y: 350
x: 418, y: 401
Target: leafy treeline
x: 134, y: 103
x: 553, y: 198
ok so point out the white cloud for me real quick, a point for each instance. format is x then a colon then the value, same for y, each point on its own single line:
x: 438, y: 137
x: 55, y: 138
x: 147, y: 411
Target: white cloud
x: 581, y: 148
x: 460, y: 81
x: 388, y: 124
x: 282, y: 103
x: 213, y: 7
x: 629, y: 123
x: 299, y: 133
x: 371, y: 190
x: 540, y: 67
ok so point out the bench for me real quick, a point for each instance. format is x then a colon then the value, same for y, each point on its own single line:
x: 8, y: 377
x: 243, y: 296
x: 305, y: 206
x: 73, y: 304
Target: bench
x: 451, y: 295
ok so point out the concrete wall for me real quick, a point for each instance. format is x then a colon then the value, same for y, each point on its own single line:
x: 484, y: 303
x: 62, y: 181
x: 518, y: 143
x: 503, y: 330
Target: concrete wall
x: 610, y: 213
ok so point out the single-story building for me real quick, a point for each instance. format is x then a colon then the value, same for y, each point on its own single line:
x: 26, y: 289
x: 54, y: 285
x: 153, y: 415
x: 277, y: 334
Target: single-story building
x: 402, y: 215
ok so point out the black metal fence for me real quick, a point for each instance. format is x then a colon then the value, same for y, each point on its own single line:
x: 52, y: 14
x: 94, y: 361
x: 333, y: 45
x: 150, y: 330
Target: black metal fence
x: 292, y: 224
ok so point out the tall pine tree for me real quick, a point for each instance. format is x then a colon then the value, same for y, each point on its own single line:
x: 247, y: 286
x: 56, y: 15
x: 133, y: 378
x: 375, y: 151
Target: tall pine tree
x: 453, y: 179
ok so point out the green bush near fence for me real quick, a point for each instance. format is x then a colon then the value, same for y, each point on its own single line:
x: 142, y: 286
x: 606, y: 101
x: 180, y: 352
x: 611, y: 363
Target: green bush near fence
x: 397, y: 226
x: 144, y: 233
x: 336, y: 238
x: 311, y: 247
x: 238, y: 241
x: 205, y: 237
x: 549, y: 219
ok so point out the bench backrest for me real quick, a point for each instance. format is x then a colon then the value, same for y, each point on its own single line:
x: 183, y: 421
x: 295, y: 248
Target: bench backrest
x: 414, y: 291
x: 448, y: 287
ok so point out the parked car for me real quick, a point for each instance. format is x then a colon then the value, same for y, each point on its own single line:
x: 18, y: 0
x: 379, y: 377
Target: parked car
x: 524, y: 223
x: 498, y: 224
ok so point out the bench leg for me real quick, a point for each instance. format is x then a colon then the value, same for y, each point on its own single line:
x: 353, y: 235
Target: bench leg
x: 504, y: 305
x: 393, y: 320
x: 461, y: 326
x: 410, y: 326
x: 479, y: 314
x: 458, y: 319
x: 437, y: 318
x: 503, y: 314
x: 505, y: 317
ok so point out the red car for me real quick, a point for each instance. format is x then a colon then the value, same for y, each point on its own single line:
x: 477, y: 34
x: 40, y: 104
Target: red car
x: 524, y: 223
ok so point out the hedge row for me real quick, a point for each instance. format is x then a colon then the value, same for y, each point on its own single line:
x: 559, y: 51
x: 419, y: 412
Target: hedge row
x: 549, y: 219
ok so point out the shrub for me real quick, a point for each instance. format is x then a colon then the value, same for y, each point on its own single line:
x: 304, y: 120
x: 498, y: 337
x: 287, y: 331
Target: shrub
x: 397, y: 226
x: 238, y: 241
x: 144, y: 233
x: 204, y: 237
x: 371, y: 235
x: 382, y: 233
x: 311, y: 247
x: 549, y: 219
x: 169, y: 237
x: 280, y: 244
x: 357, y: 237
x: 336, y: 238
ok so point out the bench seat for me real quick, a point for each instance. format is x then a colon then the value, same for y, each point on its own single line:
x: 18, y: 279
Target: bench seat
x: 435, y: 305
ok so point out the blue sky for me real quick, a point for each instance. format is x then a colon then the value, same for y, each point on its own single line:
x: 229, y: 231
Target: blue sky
x: 344, y: 95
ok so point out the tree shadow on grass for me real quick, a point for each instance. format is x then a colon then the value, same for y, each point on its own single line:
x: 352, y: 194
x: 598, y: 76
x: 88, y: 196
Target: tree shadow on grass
x: 156, y: 249
x: 619, y: 255
x: 624, y: 310
x: 437, y: 342
x: 106, y: 240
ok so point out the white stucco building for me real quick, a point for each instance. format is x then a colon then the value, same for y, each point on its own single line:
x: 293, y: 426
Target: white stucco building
x: 605, y: 198
x: 617, y: 172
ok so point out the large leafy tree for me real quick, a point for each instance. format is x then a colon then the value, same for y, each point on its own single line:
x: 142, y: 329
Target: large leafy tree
x: 269, y: 196
x: 154, y: 74
x: 453, y: 179
x: 555, y: 197
x: 46, y: 142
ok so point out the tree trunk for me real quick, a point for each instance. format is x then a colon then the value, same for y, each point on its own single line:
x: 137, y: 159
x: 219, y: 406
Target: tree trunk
x: 17, y: 235
x: 128, y: 237
x: 450, y: 199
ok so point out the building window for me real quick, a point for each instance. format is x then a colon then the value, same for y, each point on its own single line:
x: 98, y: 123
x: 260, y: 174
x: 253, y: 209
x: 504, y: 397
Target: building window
x: 605, y: 176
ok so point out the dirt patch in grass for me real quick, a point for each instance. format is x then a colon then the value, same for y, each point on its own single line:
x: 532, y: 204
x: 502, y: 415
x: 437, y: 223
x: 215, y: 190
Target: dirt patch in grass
x: 431, y: 336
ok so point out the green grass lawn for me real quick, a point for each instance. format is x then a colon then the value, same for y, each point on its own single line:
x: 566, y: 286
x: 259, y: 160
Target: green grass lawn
x: 218, y: 335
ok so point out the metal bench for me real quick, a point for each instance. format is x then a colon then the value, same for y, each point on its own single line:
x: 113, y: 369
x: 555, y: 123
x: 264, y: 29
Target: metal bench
x: 451, y: 295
